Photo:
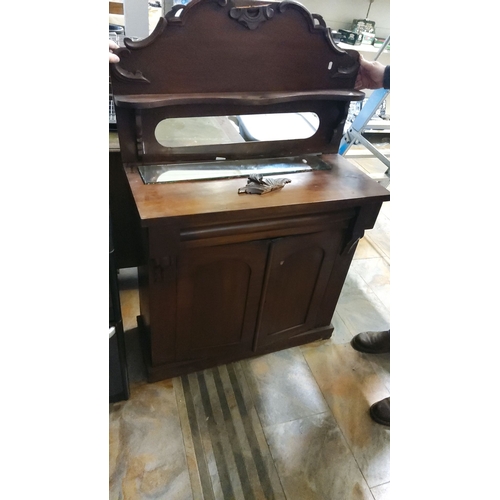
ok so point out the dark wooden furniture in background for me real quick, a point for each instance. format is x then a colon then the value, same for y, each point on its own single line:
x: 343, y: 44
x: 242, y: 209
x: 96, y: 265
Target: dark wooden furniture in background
x: 125, y: 232
x: 224, y: 275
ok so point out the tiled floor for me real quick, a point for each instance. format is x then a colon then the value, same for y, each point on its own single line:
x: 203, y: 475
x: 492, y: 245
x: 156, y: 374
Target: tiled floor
x: 289, y: 425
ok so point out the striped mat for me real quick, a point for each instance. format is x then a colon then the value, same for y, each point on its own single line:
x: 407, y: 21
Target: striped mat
x: 227, y: 453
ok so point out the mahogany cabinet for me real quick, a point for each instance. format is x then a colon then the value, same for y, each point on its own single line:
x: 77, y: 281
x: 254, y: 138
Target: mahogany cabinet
x: 224, y: 275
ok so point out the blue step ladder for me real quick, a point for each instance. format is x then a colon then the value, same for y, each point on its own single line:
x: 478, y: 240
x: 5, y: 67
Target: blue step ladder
x: 354, y: 134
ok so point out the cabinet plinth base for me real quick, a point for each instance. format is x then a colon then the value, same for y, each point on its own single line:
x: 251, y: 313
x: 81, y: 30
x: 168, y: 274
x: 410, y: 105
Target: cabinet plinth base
x: 177, y: 368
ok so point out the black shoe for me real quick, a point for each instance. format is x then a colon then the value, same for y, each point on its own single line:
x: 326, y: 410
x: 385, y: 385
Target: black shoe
x: 381, y: 412
x: 372, y: 342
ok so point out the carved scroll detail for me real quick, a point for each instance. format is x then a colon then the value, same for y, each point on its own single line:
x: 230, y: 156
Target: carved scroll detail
x: 252, y: 17
x: 343, y: 72
x: 137, y: 76
x: 127, y: 76
x: 349, y: 246
x: 158, y: 267
x: 172, y: 16
x: 319, y: 20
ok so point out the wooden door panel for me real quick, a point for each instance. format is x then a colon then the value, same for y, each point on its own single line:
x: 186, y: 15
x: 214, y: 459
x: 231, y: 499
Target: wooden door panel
x: 296, y: 277
x: 218, y: 297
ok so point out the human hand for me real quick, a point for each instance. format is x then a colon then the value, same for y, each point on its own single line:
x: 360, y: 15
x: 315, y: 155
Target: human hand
x: 370, y: 74
x: 113, y: 58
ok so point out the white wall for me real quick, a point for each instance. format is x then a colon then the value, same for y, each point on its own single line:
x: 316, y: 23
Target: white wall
x: 339, y: 14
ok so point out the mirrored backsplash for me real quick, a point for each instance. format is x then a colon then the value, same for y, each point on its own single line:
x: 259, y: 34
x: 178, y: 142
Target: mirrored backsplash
x: 227, y: 169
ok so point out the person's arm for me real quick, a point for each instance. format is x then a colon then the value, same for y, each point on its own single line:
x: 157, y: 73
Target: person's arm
x: 113, y: 58
x: 372, y: 75
x: 387, y: 77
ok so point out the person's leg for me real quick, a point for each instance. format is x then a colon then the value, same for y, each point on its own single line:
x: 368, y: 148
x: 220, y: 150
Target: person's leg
x: 372, y: 342
x: 375, y: 343
x: 381, y: 411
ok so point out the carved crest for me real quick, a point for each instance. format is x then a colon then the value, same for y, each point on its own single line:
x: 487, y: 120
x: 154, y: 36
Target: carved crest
x: 252, y: 17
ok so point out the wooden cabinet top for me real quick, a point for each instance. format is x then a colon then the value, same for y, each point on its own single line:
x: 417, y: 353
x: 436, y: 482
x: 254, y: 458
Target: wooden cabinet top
x: 309, y: 192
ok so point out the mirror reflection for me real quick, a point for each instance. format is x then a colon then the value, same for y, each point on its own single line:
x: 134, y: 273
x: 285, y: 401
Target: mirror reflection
x: 213, y: 130
x: 228, y: 169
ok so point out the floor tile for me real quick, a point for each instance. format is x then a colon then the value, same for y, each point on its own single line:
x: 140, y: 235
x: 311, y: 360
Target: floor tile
x: 371, y: 165
x: 380, y: 235
x: 382, y: 492
x: 365, y: 250
x: 360, y: 308
x: 376, y: 274
x: 314, y: 461
x: 386, y: 207
x: 350, y: 386
x: 147, y: 457
x: 381, y: 365
x: 341, y: 333
x: 283, y: 387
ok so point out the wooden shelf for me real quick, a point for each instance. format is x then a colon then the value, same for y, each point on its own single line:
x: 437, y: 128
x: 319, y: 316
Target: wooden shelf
x: 149, y: 101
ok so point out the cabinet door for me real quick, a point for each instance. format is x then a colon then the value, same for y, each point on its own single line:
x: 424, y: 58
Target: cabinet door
x: 218, y: 297
x: 297, y: 273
